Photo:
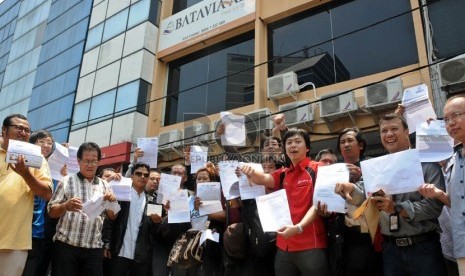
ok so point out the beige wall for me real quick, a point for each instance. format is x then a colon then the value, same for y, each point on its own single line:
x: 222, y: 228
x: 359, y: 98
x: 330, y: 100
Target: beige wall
x: 266, y: 14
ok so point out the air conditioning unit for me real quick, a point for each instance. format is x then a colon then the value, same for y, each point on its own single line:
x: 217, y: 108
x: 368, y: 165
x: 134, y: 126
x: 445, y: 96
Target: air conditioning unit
x: 170, y: 139
x: 258, y: 120
x: 283, y: 85
x: 198, y: 133
x: 338, y: 106
x: 297, y: 115
x: 384, y: 94
x: 452, y: 71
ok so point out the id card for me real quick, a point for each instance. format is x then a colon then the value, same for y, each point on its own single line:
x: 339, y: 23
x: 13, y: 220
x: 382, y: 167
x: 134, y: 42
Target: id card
x: 394, y: 222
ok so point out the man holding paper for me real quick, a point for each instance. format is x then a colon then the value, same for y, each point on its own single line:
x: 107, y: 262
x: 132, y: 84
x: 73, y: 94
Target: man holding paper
x: 408, y: 221
x: 301, y: 246
x: 78, y: 242
x: 18, y: 185
x: 130, y: 235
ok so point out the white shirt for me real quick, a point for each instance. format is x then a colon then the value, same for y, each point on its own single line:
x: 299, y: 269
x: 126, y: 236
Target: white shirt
x: 136, y: 209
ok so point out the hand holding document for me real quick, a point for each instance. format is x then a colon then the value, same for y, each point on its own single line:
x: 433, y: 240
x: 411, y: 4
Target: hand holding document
x: 57, y: 160
x: 32, y: 153
x: 273, y: 210
x: 198, y: 157
x: 325, y: 184
x: 396, y: 173
x: 234, y: 129
x: 179, y: 207
x: 433, y: 142
x: 96, y: 206
x: 417, y: 105
x: 122, y: 188
x: 154, y: 209
x: 210, y: 195
x: 250, y: 190
x: 169, y: 184
x: 73, y: 165
x: 150, y: 147
x: 229, y: 178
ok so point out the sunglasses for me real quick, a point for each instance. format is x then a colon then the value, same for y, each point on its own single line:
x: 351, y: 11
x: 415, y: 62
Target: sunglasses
x: 140, y: 174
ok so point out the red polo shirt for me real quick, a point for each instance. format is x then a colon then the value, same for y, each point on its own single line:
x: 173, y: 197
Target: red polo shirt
x: 299, y: 189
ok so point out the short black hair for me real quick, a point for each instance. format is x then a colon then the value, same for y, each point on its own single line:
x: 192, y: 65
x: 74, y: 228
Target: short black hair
x: 139, y: 165
x: 40, y: 134
x: 300, y: 132
x: 89, y: 146
x: 7, y: 120
x: 393, y: 116
x: 269, y: 138
x: 358, y: 136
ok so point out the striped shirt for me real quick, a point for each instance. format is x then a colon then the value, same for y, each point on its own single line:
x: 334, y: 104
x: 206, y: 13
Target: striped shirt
x: 75, y: 228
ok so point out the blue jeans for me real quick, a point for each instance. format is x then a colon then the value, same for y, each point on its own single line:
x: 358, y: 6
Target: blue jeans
x: 424, y: 258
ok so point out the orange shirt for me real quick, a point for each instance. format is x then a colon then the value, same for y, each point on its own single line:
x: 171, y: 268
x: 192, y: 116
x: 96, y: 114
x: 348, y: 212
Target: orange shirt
x: 299, y: 189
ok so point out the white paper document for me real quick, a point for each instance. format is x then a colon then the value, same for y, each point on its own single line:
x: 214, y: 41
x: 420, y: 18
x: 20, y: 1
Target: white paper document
x: 169, y: 184
x: 229, y: 179
x: 417, y: 105
x: 209, y: 235
x: 122, y: 188
x: 325, y: 184
x: 251, y: 190
x: 96, y: 206
x: 150, y: 147
x: 73, y: 164
x: 433, y: 142
x: 210, y: 195
x: 273, y: 210
x: 154, y: 209
x: 32, y: 153
x: 234, y: 129
x: 57, y: 160
x: 396, y: 173
x: 179, y: 207
x: 198, y: 157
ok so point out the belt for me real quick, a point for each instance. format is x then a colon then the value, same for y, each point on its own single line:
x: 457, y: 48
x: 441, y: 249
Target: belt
x: 412, y: 240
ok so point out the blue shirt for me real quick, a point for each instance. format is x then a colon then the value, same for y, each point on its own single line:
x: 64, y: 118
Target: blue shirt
x: 456, y: 187
x: 38, y: 218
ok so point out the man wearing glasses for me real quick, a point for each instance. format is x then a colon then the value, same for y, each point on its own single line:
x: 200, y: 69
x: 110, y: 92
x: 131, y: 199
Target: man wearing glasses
x: 130, y: 234
x: 18, y: 185
x: 78, y: 239
x: 454, y: 117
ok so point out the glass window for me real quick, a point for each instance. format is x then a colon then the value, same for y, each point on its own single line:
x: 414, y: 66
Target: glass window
x: 138, y: 13
x: 94, y: 37
x: 216, y: 79
x: 447, y: 23
x: 144, y: 97
x: 80, y: 114
x: 115, y: 25
x: 315, y: 58
x: 126, y: 100
x: 102, y: 107
x: 180, y: 5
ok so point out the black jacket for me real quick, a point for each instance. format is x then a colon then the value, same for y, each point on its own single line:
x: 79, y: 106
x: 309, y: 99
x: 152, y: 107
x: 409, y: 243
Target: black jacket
x: 114, y: 231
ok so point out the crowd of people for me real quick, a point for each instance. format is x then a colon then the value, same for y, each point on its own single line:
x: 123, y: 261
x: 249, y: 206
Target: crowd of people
x: 44, y: 230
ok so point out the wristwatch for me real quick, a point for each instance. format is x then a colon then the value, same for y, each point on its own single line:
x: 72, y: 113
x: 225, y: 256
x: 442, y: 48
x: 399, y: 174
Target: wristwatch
x: 299, y: 227
x: 398, y: 208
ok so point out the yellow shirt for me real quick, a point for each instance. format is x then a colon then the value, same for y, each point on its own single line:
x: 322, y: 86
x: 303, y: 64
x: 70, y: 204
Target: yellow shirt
x: 16, y: 205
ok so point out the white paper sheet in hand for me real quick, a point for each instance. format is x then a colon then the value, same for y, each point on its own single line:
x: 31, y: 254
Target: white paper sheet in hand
x: 32, y: 153
x: 433, y: 142
x: 150, y: 147
x: 168, y: 185
x: 396, y: 173
x: 209, y: 235
x: 325, y: 184
x: 198, y: 157
x: 248, y: 191
x: 179, y: 207
x: 210, y: 195
x: 57, y: 160
x: 72, y: 164
x: 273, y: 210
x: 229, y: 178
x: 122, y: 188
x: 154, y: 209
x: 234, y: 129
x: 417, y: 105
x: 93, y: 207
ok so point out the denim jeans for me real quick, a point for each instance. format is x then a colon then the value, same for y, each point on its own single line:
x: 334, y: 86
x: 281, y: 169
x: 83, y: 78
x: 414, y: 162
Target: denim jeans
x: 424, y: 258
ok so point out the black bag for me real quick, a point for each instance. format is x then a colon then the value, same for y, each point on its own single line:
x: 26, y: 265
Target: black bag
x: 187, y: 250
x: 262, y: 244
x: 168, y: 233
